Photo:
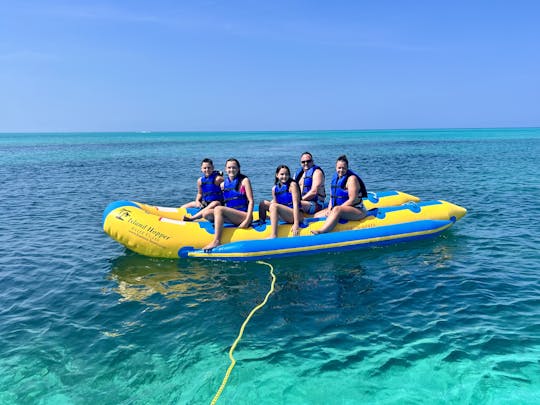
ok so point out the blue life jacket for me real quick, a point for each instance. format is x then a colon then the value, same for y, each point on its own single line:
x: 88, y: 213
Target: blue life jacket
x: 211, y: 192
x: 283, y: 195
x: 233, y: 198
x: 340, y: 193
x: 308, y: 182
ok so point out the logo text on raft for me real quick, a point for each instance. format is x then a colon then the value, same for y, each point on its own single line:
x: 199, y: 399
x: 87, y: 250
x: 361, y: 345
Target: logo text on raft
x: 123, y: 213
x: 149, y: 229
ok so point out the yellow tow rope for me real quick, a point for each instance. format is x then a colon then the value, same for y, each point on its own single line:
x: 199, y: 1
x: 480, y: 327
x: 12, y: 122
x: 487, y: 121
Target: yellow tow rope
x: 233, y: 361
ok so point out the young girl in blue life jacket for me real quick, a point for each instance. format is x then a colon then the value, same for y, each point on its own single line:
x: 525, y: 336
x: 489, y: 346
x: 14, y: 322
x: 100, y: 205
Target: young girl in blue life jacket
x: 348, y: 189
x: 238, y: 200
x: 209, y: 194
x: 285, y: 202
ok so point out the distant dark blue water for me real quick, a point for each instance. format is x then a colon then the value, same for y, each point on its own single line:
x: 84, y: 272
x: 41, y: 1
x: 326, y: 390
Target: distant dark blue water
x: 455, y: 319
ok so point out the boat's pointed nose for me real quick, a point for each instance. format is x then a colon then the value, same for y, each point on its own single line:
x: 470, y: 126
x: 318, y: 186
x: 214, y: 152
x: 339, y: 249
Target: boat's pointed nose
x: 409, y: 197
x: 455, y: 211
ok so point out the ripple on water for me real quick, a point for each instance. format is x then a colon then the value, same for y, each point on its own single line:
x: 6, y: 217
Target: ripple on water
x: 453, y: 319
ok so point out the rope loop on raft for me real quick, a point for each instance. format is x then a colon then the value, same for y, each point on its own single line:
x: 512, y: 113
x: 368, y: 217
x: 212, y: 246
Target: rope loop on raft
x: 231, y: 357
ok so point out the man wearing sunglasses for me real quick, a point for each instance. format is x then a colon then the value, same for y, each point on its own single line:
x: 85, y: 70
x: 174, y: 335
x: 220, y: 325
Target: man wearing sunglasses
x: 310, y: 178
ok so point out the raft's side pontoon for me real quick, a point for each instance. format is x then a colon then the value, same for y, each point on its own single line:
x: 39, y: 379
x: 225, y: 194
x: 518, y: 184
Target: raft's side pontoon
x: 382, y: 227
x: 140, y: 229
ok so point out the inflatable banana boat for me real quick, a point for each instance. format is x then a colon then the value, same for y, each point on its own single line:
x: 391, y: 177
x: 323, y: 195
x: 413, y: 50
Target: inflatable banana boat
x: 161, y: 232
x: 382, y: 226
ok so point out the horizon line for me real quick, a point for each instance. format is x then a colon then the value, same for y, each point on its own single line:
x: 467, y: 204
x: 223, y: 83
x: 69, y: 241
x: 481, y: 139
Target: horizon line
x: 263, y: 131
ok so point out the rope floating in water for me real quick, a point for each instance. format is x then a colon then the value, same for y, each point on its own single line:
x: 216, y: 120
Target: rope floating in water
x: 231, y: 357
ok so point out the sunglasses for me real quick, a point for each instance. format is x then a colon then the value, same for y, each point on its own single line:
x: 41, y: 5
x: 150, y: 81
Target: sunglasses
x: 305, y: 162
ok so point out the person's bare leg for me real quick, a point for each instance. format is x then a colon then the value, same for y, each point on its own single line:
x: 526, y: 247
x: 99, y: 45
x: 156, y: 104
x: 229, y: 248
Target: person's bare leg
x: 221, y: 214
x: 217, y: 216
x: 264, y: 206
x: 343, y: 211
x: 274, y: 218
x: 278, y: 211
x: 202, y: 212
x: 191, y: 204
x: 330, y: 222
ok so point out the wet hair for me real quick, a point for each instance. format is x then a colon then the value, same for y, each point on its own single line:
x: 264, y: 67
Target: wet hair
x: 343, y: 158
x: 276, y: 180
x: 307, y: 153
x: 207, y: 160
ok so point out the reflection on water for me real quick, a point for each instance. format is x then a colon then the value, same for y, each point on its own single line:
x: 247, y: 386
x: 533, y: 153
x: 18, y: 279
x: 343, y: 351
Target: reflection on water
x: 140, y: 277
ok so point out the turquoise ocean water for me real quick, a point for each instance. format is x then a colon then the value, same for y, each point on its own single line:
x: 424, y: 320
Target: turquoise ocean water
x: 455, y: 319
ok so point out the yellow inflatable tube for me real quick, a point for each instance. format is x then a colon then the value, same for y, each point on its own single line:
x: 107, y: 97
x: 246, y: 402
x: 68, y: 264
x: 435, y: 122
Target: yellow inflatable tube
x: 160, y: 231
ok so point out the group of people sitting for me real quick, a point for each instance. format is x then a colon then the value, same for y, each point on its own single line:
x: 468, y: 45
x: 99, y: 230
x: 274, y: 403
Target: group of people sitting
x: 229, y: 197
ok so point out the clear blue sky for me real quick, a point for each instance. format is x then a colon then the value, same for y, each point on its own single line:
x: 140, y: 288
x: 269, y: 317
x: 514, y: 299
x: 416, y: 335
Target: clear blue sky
x: 268, y: 65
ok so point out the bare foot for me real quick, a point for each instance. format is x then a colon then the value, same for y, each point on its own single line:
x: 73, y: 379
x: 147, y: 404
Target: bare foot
x: 272, y: 237
x: 211, y: 245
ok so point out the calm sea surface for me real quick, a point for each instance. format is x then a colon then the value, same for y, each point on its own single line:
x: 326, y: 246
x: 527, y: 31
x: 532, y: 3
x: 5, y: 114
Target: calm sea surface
x: 455, y: 319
